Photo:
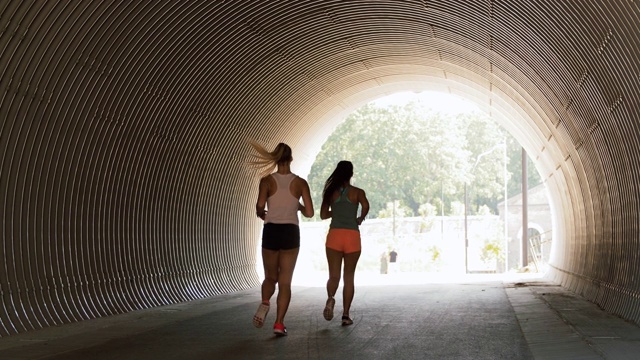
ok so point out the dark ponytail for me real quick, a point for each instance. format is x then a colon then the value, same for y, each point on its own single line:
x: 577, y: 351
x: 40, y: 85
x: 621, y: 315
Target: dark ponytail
x: 341, y: 175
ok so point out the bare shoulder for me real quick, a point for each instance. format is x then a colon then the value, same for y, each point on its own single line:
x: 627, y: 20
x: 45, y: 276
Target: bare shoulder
x: 358, y: 190
x: 355, y: 194
x: 362, y: 196
x: 300, y: 181
x: 266, y: 180
x: 267, y: 183
x: 298, y: 186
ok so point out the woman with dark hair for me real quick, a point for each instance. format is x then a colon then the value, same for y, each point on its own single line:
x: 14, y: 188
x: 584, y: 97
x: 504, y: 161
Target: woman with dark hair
x: 340, y: 202
x: 280, y: 193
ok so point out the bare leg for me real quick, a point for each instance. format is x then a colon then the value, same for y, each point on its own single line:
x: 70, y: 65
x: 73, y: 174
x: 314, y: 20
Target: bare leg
x: 270, y: 261
x: 348, y: 290
x: 287, y: 263
x: 334, y: 260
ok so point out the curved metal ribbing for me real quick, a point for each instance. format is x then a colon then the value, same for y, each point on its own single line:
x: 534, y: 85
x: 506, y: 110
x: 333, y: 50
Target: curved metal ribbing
x: 123, y: 128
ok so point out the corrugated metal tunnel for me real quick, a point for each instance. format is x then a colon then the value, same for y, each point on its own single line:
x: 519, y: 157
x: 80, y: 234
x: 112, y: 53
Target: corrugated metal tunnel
x: 124, y: 124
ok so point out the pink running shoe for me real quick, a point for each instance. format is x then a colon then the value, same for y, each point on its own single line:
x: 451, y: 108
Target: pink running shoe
x: 279, y: 329
x: 261, y: 314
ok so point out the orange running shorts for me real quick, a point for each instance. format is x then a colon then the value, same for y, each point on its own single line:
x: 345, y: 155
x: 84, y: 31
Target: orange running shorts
x: 344, y: 240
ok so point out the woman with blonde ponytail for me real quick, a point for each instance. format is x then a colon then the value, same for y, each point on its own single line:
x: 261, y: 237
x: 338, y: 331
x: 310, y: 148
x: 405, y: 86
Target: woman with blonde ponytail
x: 278, y: 205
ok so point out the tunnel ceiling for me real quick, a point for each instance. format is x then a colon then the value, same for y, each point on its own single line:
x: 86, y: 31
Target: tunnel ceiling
x: 124, y: 128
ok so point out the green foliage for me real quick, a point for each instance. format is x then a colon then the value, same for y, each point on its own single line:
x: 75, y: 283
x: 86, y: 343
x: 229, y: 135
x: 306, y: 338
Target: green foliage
x: 492, y: 250
x: 391, y: 211
x: 428, y: 213
x: 426, y: 210
x: 514, y: 186
x: 484, y: 210
x: 418, y: 156
x: 435, y: 254
x: 457, y: 208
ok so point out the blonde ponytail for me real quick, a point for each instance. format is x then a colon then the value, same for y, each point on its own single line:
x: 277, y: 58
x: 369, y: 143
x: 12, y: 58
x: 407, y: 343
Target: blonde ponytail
x: 265, y: 160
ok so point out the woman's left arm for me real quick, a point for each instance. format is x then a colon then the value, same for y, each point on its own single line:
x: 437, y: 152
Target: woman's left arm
x: 307, y: 208
x: 364, y: 206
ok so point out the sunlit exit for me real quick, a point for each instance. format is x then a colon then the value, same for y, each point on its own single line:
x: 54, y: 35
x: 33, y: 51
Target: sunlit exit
x: 437, y: 171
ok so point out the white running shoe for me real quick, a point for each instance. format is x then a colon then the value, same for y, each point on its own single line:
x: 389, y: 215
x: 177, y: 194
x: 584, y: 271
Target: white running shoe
x: 261, y: 314
x: 328, y: 309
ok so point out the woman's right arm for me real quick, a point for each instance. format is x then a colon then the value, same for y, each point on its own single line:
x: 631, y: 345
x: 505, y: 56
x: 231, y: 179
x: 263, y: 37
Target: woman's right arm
x: 325, y: 213
x: 262, y: 198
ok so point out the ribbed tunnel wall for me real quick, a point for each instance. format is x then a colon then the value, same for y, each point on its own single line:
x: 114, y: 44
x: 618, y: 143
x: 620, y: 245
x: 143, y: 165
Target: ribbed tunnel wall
x: 124, y: 124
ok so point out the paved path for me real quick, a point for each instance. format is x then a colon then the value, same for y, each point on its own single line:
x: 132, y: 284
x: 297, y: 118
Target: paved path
x: 475, y: 318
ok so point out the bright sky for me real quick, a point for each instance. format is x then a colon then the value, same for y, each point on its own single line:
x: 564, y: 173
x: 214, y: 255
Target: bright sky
x: 438, y: 101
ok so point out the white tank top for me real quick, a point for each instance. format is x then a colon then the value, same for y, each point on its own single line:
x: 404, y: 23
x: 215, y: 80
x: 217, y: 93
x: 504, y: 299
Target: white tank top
x: 282, y: 207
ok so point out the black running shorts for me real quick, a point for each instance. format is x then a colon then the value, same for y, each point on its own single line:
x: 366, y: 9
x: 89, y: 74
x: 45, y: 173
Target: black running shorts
x: 280, y: 236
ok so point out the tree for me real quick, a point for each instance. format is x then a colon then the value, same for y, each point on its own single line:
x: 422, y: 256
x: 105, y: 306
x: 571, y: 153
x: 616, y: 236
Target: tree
x: 515, y: 167
x: 485, y: 181
x: 416, y: 156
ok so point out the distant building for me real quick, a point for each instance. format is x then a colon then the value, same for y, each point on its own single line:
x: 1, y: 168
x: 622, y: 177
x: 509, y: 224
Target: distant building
x: 539, y: 227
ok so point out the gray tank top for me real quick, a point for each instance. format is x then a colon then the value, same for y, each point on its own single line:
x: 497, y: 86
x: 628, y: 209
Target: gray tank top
x: 344, y: 212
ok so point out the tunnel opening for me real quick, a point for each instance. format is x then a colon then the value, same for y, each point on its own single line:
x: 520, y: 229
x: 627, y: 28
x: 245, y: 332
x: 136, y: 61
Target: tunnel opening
x: 431, y: 239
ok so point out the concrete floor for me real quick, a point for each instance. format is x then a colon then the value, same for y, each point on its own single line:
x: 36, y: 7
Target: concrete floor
x: 476, y: 317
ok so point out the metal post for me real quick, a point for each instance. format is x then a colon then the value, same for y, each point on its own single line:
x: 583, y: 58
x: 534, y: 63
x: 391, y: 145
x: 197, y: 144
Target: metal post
x: 466, y: 237
x: 441, y: 210
x: 525, y: 223
x: 506, y: 211
x: 393, y: 211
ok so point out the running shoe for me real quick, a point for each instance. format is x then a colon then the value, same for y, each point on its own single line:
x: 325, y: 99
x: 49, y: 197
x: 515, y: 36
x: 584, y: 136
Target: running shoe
x: 279, y: 329
x: 261, y: 314
x: 346, y: 321
x: 328, y: 309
